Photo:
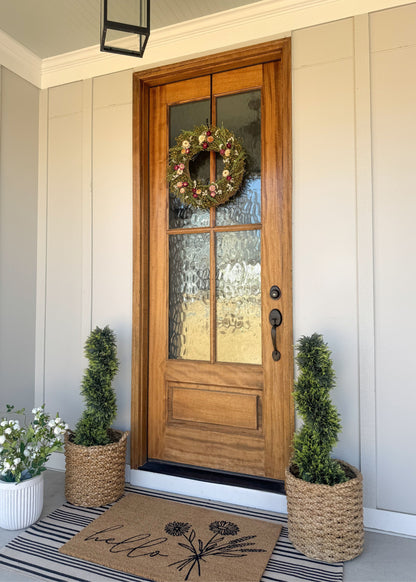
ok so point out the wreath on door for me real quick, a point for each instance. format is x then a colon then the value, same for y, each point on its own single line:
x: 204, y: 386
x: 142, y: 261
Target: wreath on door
x: 189, y: 144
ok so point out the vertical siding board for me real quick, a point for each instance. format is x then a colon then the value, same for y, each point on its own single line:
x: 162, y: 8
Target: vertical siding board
x: 112, y: 222
x: 324, y: 208
x: 365, y: 257
x: 63, y: 339
x: 42, y: 215
x: 393, y: 86
x: 18, y: 230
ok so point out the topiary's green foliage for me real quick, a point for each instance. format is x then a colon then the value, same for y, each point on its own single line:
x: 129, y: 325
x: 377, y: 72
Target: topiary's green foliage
x: 100, y: 399
x: 314, y: 442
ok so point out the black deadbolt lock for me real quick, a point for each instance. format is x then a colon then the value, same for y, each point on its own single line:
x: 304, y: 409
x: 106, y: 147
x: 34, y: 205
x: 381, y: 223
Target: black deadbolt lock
x: 275, y: 292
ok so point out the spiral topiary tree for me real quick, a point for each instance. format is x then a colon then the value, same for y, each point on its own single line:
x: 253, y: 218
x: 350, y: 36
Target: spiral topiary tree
x: 314, y: 442
x: 96, y: 388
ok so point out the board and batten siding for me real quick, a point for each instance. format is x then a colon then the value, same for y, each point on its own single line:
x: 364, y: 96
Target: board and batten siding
x: 393, y: 98
x: 86, y: 230
x: 19, y: 105
x: 324, y: 209
x: 354, y: 90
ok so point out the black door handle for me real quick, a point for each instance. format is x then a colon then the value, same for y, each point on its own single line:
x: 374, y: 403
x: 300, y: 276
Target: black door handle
x: 275, y: 319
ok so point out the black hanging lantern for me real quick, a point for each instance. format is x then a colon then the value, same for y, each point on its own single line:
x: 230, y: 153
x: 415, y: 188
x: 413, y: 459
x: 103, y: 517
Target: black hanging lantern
x: 125, y: 17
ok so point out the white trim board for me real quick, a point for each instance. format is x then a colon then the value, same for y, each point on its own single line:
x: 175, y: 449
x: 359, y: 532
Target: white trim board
x: 379, y: 520
x: 243, y: 26
x: 388, y: 522
x: 216, y: 491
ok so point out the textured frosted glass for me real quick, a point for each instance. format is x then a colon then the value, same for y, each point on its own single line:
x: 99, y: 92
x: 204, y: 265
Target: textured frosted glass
x: 238, y: 276
x: 184, y: 117
x: 189, y: 308
x: 241, y: 114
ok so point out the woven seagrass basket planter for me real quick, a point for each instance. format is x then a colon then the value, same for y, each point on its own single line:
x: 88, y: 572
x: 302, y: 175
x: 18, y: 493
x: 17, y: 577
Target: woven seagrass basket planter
x: 326, y: 521
x: 95, y: 475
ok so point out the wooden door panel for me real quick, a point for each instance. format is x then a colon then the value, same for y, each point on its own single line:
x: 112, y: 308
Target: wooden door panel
x: 211, y: 405
x: 245, y: 376
x: 224, y: 416
x: 238, y: 453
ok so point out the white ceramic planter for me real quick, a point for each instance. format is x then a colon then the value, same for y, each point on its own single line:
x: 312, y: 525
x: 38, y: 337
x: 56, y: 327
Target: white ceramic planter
x: 21, y: 503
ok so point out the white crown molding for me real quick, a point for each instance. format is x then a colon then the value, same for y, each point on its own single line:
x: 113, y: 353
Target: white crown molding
x: 258, y: 22
x: 19, y: 59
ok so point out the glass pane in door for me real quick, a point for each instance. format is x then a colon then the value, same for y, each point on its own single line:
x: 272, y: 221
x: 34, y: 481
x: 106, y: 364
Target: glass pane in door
x: 189, y: 296
x: 241, y: 114
x: 184, y: 117
x: 238, y: 287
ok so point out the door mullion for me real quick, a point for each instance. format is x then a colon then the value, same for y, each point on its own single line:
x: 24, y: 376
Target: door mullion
x: 213, y: 300
x: 213, y: 284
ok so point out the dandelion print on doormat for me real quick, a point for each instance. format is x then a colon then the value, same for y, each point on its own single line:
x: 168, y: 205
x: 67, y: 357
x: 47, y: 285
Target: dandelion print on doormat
x: 167, y: 541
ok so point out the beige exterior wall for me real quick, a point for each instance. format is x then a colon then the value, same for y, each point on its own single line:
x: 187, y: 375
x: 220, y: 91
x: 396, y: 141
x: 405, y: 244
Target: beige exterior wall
x: 354, y: 90
x: 19, y: 102
x: 393, y: 99
x: 87, y: 226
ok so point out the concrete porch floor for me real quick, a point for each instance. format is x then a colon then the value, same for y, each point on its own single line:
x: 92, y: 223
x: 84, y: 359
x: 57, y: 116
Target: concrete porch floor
x: 385, y: 558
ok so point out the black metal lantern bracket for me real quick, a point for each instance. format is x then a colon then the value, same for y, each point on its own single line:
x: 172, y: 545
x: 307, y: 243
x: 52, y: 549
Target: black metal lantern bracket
x: 142, y: 30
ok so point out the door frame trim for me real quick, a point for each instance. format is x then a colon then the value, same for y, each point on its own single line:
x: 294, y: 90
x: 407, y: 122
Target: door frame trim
x: 143, y: 81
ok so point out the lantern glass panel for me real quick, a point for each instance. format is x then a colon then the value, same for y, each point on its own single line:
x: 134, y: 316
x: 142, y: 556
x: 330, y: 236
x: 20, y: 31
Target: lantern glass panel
x: 132, y: 12
x: 125, y: 26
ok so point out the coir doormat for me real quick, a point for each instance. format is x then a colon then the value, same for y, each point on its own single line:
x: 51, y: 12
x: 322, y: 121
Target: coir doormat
x: 167, y: 541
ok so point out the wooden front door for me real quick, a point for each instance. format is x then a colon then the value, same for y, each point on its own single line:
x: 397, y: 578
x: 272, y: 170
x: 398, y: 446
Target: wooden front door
x: 218, y: 394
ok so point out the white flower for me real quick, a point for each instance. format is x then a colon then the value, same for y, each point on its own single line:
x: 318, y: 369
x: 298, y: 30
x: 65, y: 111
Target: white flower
x: 226, y: 173
x: 44, y: 435
x: 201, y: 138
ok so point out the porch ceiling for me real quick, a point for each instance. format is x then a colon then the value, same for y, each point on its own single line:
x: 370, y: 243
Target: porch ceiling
x: 53, y: 27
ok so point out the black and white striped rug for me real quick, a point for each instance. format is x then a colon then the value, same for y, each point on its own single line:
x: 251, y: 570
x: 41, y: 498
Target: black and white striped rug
x: 35, y: 551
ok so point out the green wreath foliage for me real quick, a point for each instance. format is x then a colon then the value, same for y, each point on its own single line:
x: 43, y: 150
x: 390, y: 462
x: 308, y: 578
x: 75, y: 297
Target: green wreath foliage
x: 188, y: 145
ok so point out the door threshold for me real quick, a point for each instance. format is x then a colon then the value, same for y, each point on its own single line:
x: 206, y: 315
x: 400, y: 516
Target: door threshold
x: 215, y: 476
x: 150, y: 476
